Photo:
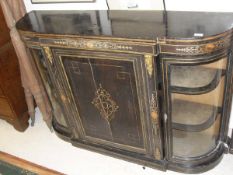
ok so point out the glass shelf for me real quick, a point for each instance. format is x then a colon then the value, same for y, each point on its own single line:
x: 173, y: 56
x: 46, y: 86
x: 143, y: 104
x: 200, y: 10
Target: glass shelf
x: 193, y: 144
x: 190, y: 116
x: 194, y: 79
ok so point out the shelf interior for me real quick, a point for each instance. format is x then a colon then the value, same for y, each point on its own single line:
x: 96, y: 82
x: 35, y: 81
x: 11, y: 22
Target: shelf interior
x: 193, y: 144
x: 192, y: 116
x: 193, y: 76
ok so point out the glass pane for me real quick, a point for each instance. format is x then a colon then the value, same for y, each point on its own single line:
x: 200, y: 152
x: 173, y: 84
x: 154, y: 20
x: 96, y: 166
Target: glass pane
x: 193, y: 144
x: 196, y: 102
x: 180, y: 76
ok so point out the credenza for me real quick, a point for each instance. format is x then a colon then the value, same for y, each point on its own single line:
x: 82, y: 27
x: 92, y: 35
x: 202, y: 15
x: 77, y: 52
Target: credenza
x: 151, y: 87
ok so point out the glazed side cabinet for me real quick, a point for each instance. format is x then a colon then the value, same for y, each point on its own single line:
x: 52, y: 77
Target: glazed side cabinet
x: 161, y: 102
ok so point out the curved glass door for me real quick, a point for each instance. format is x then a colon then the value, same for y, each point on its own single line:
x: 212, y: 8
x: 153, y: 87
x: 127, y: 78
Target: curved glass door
x: 195, y: 107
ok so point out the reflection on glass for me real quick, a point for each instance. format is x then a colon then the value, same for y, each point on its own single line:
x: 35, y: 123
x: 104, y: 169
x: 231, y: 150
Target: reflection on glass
x: 193, y: 144
x: 196, y: 102
x: 181, y: 76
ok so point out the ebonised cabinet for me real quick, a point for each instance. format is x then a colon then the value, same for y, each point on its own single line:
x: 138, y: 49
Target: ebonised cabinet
x: 144, y: 89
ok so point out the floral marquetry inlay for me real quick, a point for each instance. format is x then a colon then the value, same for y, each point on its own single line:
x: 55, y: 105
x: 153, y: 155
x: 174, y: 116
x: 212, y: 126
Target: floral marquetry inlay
x: 93, y: 44
x: 105, y: 104
x: 154, y: 107
x: 201, y: 49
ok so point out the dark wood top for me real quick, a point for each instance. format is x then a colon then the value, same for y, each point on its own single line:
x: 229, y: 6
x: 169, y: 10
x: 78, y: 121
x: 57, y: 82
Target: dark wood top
x: 127, y: 24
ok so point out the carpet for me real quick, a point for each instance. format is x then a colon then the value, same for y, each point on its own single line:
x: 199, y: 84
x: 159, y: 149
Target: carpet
x: 11, y: 165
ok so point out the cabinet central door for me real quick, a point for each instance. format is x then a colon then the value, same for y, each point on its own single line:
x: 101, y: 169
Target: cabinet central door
x: 108, y: 95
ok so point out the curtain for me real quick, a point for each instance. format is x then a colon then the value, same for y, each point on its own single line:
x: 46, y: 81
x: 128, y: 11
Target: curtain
x: 34, y: 91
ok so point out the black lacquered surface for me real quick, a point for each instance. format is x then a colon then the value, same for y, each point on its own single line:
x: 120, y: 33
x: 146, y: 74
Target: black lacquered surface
x: 130, y: 24
x: 105, y: 95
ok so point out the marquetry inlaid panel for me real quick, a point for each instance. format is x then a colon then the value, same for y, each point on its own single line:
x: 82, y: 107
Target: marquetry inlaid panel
x: 106, y: 98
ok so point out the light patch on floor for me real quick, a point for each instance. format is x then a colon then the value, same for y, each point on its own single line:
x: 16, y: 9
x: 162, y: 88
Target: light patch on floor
x: 38, y: 145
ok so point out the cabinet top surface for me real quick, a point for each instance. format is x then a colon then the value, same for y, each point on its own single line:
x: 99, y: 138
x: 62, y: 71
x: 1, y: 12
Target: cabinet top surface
x: 127, y: 24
